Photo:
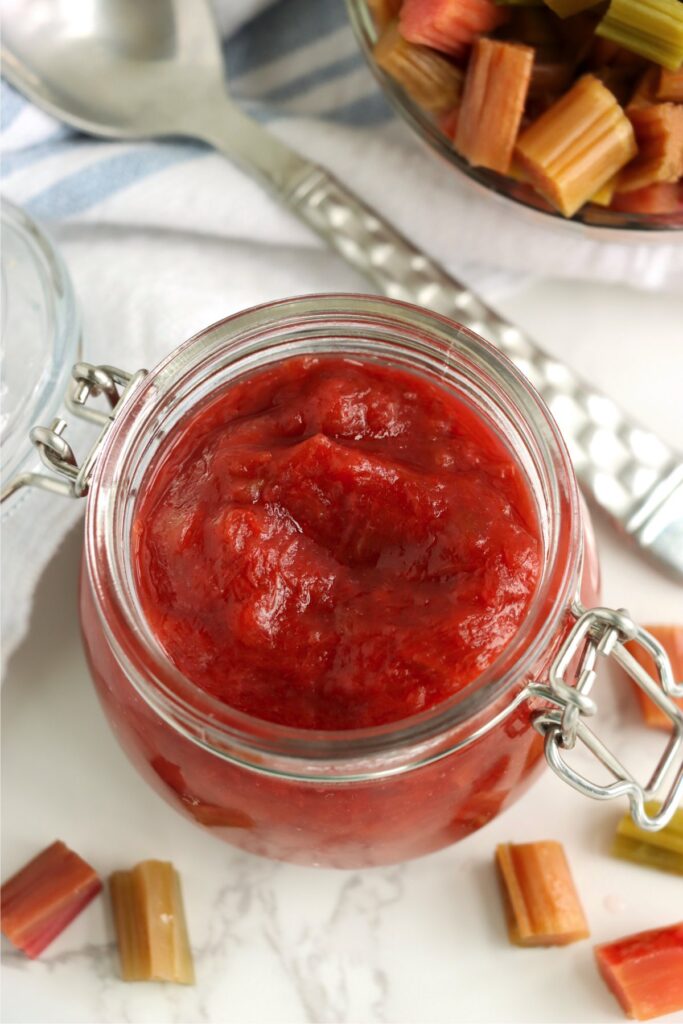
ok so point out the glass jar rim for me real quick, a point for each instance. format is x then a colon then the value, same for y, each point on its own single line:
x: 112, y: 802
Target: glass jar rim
x: 270, y: 328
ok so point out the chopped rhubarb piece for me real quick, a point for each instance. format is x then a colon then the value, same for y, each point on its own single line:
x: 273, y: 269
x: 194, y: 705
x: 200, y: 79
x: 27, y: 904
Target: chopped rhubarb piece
x: 576, y: 146
x: 567, y: 8
x: 214, y: 816
x: 493, y: 101
x: 448, y: 25
x: 549, y: 78
x: 651, y: 28
x: 150, y: 924
x: 645, y: 92
x: 518, y: 173
x: 645, y: 971
x: 541, y: 902
x: 605, y: 195
x: 432, y: 81
x: 662, y: 849
x: 448, y: 123
x: 211, y: 815
x: 383, y: 11
x: 659, y: 137
x: 667, y: 199
x: 44, y: 897
x: 617, y: 68
x: 670, y: 86
x: 619, y: 81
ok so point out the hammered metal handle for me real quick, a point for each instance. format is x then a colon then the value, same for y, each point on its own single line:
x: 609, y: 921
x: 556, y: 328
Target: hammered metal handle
x: 629, y: 472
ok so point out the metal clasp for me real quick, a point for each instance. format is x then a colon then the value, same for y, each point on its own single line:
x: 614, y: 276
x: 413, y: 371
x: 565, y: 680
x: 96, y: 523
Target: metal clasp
x: 602, y: 633
x: 71, y: 479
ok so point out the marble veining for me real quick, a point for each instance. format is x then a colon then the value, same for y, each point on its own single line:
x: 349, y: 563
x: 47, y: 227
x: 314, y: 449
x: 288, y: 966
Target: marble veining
x: 337, y: 968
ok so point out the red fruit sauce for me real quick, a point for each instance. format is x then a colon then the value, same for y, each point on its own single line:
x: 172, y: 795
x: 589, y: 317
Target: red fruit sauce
x: 333, y: 544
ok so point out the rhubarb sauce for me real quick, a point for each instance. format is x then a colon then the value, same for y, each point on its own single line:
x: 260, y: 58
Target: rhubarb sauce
x: 331, y: 543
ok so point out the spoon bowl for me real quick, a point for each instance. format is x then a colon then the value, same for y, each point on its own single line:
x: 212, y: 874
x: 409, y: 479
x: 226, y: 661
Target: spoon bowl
x: 121, y: 70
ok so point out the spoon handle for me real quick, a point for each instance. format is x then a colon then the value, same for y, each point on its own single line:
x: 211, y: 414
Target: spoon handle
x: 629, y: 472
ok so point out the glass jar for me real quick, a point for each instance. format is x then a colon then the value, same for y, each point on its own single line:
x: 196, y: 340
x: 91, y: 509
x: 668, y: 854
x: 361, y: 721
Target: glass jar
x: 373, y: 795
x: 40, y: 339
x: 39, y: 343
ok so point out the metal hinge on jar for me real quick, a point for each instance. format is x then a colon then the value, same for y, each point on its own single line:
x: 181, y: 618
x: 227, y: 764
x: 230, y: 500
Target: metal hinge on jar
x: 70, y: 478
x: 602, y: 633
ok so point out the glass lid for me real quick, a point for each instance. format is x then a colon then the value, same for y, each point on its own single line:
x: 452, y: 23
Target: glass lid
x: 39, y: 339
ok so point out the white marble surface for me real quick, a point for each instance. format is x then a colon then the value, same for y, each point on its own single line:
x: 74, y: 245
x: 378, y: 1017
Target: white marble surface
x: 420, y: 942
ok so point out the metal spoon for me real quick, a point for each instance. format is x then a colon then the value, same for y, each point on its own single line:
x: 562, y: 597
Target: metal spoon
x: 131, y: 69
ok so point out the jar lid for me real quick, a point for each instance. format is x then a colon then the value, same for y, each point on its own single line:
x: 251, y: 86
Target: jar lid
x: 40, y: 337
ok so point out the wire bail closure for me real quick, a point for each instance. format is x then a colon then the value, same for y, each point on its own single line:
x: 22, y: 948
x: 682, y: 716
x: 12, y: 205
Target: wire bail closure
x: 601, y: 633
x: 68, y: 478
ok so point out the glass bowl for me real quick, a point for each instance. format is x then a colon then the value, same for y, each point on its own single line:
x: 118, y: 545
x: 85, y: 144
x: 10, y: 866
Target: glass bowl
x: 506, y: 189
x: 40, y: 339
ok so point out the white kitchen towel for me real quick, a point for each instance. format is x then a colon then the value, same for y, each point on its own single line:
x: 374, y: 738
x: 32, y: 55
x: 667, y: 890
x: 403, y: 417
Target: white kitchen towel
x: 163, y: 238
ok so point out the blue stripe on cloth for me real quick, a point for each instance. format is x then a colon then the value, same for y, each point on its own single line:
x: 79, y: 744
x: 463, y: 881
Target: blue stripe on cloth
x: 309, y: 79
x: 368, y: 110
x: 60, y: 142
x: 11, y: 104
x: 89, y: 185
x: 279, y: 30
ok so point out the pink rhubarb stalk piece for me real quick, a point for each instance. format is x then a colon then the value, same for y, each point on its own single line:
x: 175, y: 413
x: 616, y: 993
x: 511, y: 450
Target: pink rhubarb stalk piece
x: 448, y: 25
x: 493, y: 102
x: 40, y: 900
x: 645, y: 971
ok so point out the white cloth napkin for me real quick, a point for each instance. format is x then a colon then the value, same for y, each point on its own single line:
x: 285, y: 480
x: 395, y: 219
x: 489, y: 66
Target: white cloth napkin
x: 163, y: 238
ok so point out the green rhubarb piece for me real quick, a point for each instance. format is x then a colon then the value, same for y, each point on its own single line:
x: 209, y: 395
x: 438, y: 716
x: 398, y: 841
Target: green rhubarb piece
x: 662, y: 850
x: 650, y: 28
